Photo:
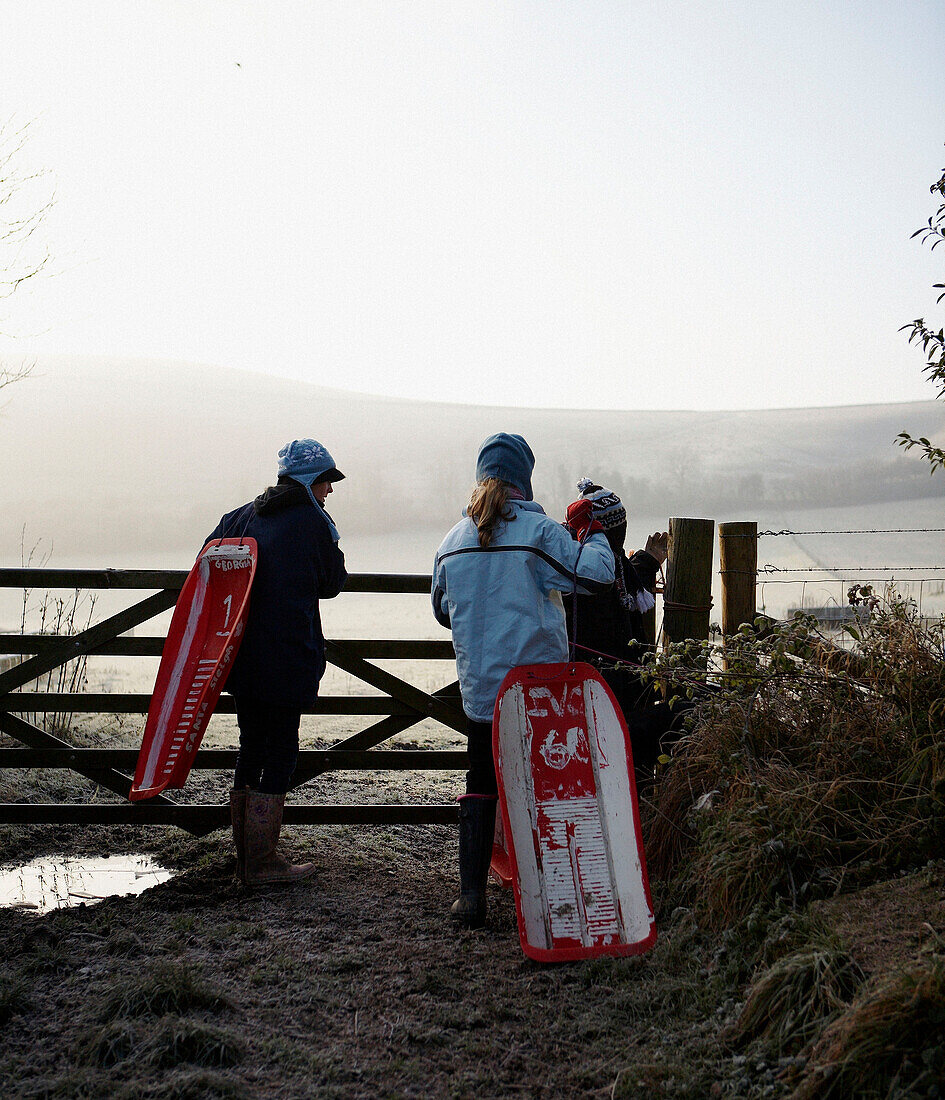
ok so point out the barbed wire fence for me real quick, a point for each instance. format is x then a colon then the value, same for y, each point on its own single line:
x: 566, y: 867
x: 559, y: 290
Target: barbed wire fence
x: 922, y: 581
x: 930, y: 583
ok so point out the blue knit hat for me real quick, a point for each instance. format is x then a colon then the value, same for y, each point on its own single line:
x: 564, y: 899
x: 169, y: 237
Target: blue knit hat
x: 307, y: 461
x: 509, y: 458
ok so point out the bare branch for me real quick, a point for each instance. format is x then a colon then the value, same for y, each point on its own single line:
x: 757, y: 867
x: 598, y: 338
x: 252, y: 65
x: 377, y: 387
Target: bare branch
x: 25, y: 202
x: 9, y: 375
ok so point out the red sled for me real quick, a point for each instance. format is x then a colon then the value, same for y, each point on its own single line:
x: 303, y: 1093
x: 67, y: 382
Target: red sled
x: 501, y: 866
x: 205, y: 633
x: 570, y: 815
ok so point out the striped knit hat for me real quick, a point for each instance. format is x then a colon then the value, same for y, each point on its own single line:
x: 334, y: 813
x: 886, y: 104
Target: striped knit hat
x: 605, y: 504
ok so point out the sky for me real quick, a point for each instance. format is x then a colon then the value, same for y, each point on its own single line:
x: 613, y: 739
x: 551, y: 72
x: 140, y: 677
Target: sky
x: 702, y: 204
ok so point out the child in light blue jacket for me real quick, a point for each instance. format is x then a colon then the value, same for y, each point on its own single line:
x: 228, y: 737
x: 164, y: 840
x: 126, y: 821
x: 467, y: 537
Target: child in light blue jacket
x: 498, y: 580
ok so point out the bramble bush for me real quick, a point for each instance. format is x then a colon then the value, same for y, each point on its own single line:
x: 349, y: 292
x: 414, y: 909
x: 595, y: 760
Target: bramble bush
x: 807, y: 769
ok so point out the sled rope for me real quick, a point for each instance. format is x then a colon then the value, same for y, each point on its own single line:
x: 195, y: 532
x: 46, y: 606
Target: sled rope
x: 574, y: 603
x: 609, y: 656
x: 669, y: 605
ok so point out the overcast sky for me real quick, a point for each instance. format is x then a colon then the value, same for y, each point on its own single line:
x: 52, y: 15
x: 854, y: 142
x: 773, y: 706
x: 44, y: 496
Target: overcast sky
x: 696, y: 204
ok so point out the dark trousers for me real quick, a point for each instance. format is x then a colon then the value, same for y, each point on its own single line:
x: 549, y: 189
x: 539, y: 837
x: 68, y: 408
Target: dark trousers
x: 269, y: 746
x: 480, y: 779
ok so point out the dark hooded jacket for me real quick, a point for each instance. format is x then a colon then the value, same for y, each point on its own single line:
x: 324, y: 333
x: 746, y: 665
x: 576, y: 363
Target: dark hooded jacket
x: 604, y: 625
x: 282, y: 656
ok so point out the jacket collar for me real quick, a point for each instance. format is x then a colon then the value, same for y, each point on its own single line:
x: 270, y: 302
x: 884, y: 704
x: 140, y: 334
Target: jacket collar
x: 522, y: 505
x: 277, y: 498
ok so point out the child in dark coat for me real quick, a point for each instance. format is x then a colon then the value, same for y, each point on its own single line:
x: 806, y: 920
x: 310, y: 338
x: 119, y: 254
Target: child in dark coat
x: 282, y: 656
x: 609, y: 628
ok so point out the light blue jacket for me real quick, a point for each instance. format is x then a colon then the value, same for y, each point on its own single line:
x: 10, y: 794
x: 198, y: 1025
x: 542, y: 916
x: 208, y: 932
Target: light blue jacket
x: 503, y: 602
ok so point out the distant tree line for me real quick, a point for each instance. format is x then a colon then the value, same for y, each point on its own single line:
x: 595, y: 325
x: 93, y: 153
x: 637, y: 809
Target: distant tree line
x: 439, y: 496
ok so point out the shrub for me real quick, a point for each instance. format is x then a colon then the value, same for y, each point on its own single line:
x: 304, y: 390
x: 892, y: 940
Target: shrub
x: 793, y: 999
x: 890, y: 1043
x: 807, y: 768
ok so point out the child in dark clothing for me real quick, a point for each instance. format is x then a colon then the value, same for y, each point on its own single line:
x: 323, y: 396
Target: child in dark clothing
x: 282, y: 657
x: 609, y: 629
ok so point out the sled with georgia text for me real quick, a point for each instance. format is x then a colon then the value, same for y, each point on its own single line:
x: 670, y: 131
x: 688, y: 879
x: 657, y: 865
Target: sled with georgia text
x: 570, y: 817
x: 202, y: 641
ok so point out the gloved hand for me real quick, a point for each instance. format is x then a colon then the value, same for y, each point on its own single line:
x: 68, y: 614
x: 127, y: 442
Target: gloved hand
x: 657, y: 544
x: 580, y: 520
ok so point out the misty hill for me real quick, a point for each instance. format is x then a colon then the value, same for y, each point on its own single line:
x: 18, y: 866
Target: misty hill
x: 147, y: 454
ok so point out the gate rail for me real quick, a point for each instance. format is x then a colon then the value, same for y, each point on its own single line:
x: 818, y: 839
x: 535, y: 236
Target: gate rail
x: 399, y: 706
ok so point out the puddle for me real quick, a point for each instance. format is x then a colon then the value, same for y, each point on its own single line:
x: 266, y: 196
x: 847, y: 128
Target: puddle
x: 45, y: 884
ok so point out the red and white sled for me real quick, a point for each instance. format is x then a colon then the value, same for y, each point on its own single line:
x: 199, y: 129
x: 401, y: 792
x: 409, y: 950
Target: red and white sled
x: 501, y: 865
x: 570, y: 815
x: 205, y: 632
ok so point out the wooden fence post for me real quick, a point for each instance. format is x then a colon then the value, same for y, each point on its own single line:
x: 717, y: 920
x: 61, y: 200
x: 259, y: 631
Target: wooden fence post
x: 738, y: 560
x: 687, y: 600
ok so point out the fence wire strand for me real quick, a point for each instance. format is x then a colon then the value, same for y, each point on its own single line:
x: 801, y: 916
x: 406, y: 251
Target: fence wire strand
x: 850, y: 531
x: 851, y: 569
x: 820, y: 575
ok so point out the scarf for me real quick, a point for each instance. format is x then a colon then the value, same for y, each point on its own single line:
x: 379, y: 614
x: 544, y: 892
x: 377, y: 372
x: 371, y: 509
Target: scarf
x: 638, y: 600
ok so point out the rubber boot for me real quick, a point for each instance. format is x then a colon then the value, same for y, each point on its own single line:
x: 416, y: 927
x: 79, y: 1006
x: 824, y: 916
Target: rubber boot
x: 238, y: 821
x: 264, y: 862
x: 476, y: 833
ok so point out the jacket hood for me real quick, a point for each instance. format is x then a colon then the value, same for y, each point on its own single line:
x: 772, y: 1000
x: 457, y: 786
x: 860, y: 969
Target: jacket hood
x: 509, y: 458
x: 523, y: 505
x: 279, y: 497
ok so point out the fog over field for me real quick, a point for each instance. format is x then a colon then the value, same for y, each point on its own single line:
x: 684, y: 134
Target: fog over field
x: 112, y: 466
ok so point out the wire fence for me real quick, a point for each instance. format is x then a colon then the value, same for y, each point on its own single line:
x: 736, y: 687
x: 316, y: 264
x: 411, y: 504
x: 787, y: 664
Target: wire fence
x: 918, y: 582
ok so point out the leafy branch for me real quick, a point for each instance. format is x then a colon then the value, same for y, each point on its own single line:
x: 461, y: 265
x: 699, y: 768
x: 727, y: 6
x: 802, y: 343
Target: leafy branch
x: 931, y: 341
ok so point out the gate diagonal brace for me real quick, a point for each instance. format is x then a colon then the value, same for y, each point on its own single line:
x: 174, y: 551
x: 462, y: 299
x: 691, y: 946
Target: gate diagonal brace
x: 81, y: 643
x: 372, y: 736
x: 428, y: 705
x: 109, y: 778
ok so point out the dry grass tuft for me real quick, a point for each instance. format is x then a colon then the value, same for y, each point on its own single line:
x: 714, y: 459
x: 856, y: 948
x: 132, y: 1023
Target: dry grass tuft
x: 176, y: 1041
x: 796, y: 780
x: 109, y: 1046
x: 168, y: 988
x: 188, y: 1084
x: 889, y: 1044
x: 793, y: 999
x: 14, y: 1000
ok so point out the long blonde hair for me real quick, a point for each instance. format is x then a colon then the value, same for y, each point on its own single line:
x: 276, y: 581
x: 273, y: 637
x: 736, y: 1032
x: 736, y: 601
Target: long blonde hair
x: 488, y: 505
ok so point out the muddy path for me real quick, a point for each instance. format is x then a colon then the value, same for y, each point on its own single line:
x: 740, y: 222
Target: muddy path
x: 356, y: 985
x: 352, y: 986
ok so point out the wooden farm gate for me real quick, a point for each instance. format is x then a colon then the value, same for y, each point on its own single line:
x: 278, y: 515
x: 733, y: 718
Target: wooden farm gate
x: 400, y: 706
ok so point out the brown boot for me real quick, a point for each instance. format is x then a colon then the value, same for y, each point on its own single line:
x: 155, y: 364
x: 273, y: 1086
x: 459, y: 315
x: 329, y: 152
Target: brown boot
x: 264, y: 862
x: 238, y: 821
